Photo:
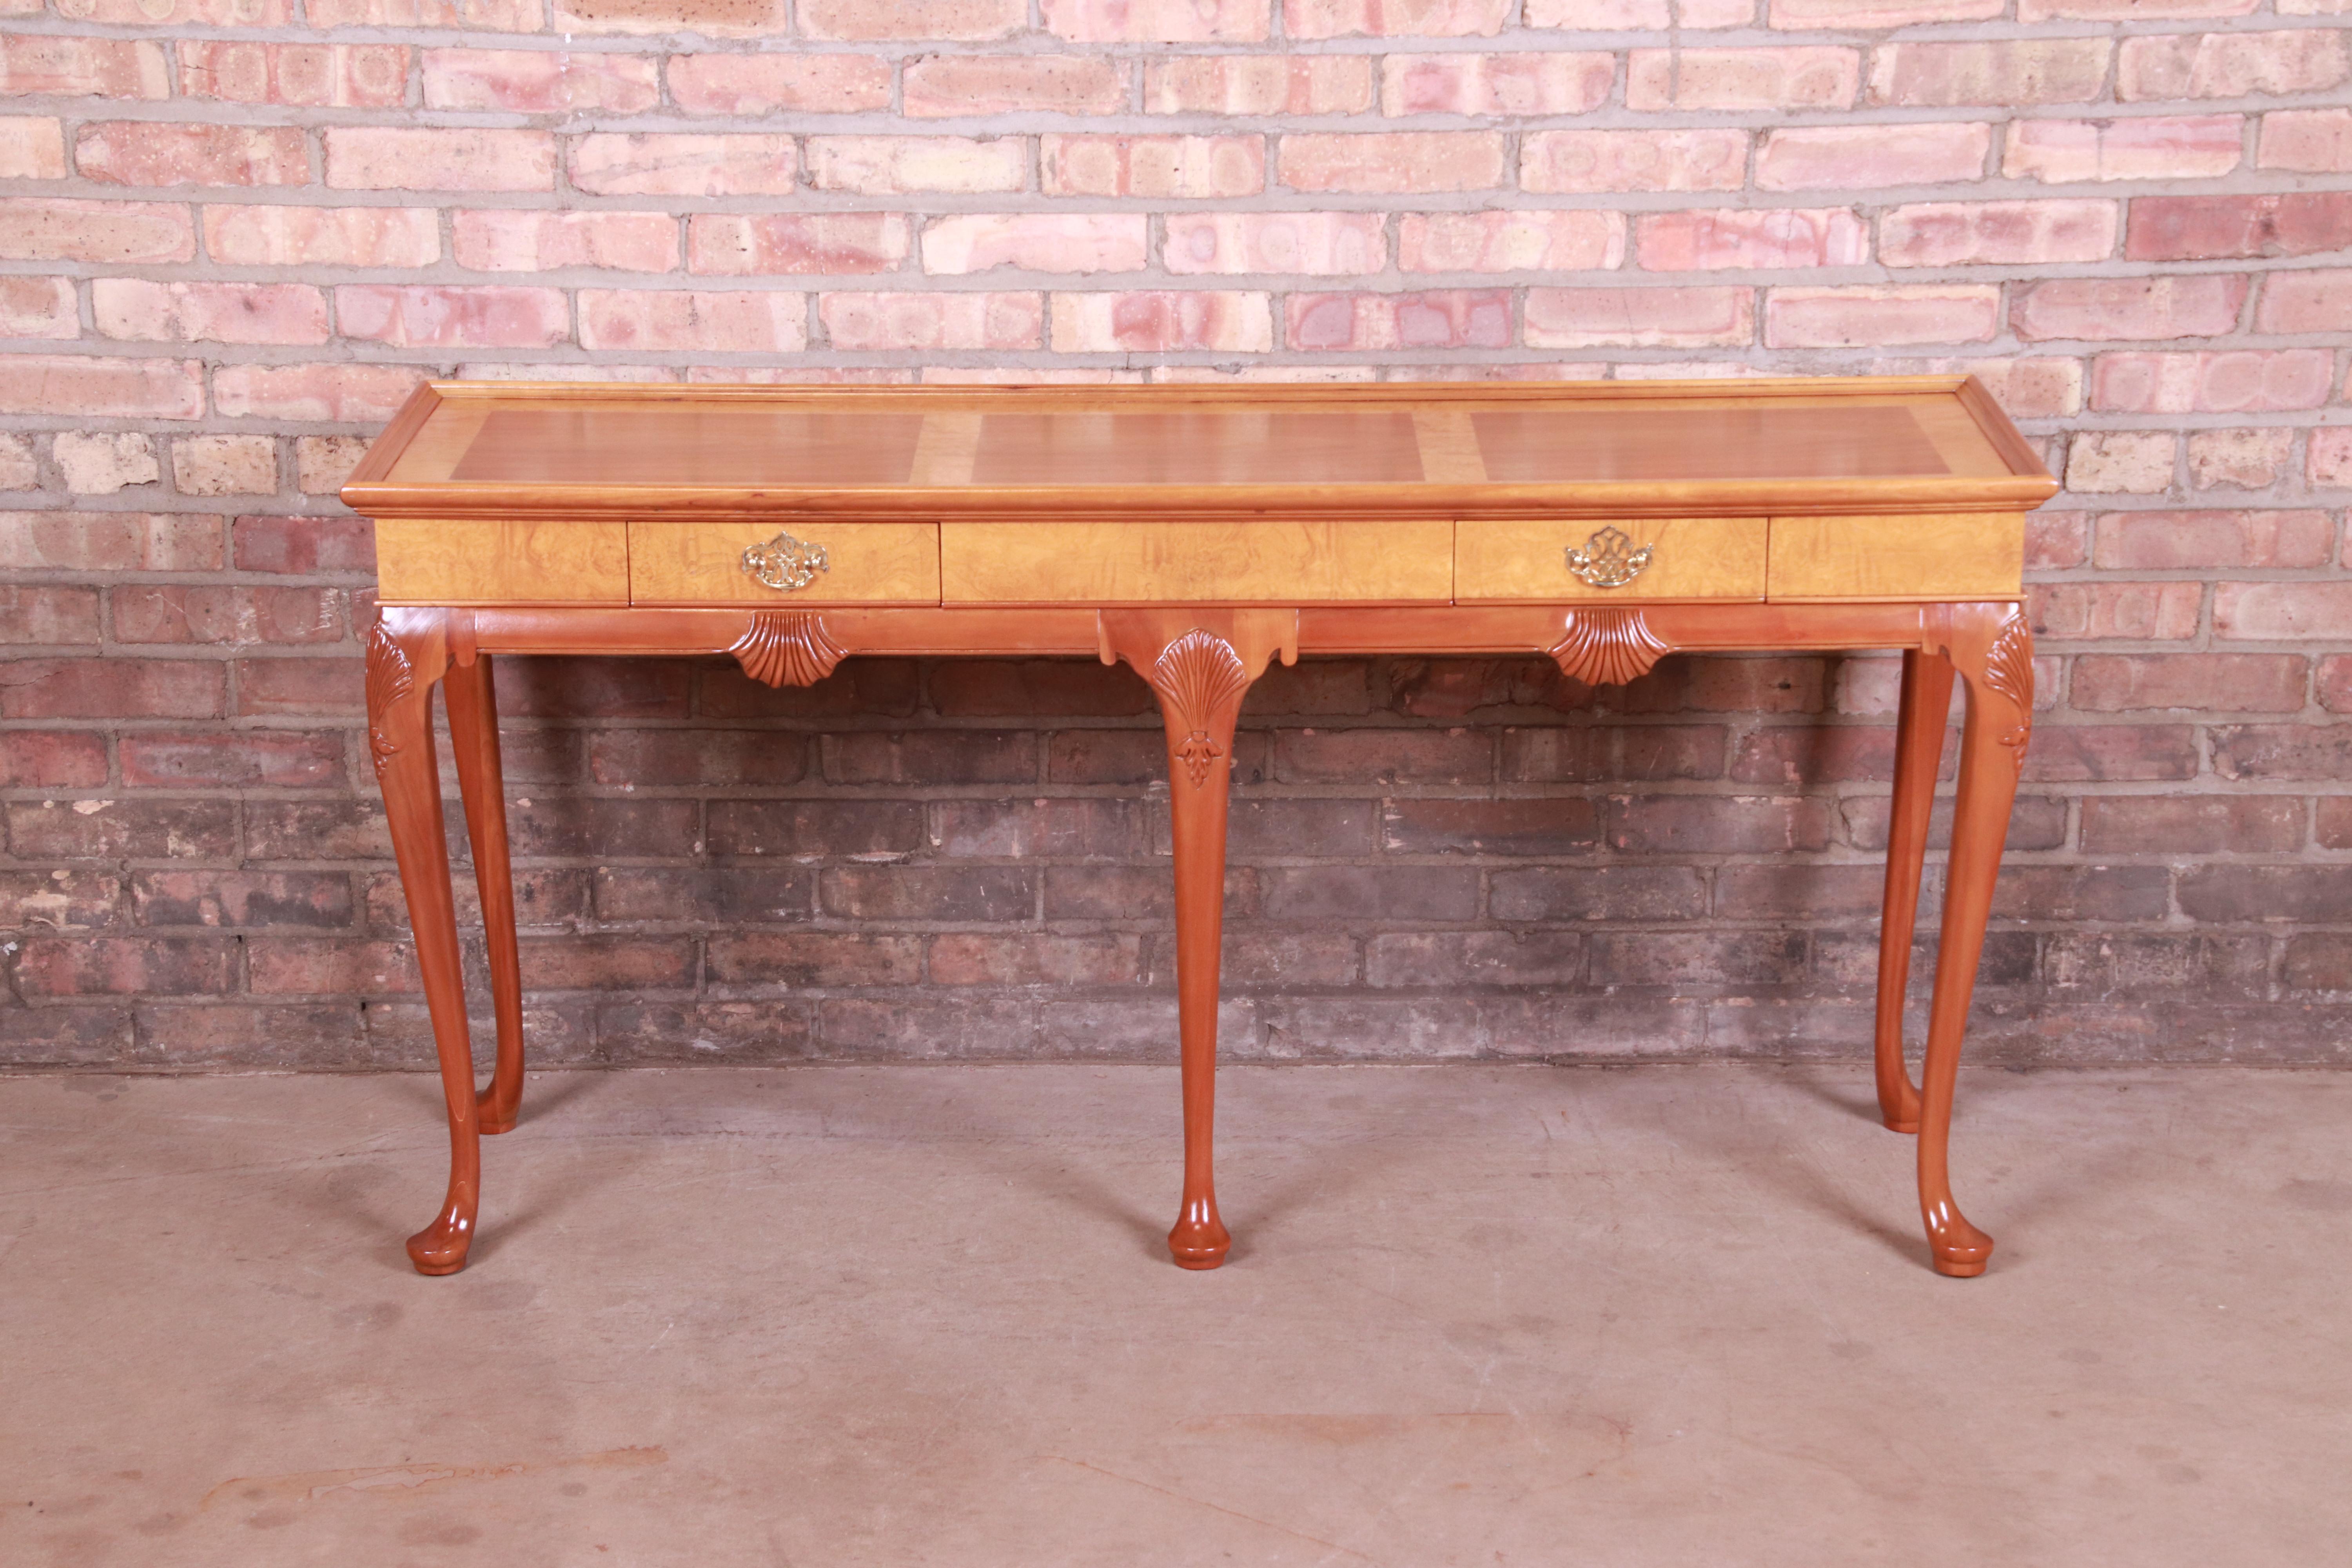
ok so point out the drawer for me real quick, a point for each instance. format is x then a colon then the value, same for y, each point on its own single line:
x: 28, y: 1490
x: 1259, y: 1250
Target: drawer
x: 1915, y: 555
x: 865, y: 562
x: 432, y: 561
x: 1689, y: 558
x: 1279, y: 561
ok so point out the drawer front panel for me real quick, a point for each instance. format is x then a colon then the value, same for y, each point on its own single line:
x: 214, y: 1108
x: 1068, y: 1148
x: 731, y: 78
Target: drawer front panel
x: 1273, y: 561
x: 865, y: 562
x: 432, y: 561
x: 1929, y: 555
x: 1689, y: 558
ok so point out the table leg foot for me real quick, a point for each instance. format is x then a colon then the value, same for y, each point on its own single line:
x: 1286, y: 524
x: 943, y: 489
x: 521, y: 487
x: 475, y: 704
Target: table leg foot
x: 441, y: 1247
x: 1200, y: 1240
x: 1957, y: 1248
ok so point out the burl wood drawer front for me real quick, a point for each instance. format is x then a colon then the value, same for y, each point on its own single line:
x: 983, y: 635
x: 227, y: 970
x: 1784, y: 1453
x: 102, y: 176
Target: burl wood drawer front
x: 431, y: 561
x: 1272, y: 561
x: 1689, y: 558
x: 865, y: 562
x: 1918, y: 555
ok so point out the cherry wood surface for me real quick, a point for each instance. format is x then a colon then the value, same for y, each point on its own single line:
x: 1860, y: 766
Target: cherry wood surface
x: 1197, y: 535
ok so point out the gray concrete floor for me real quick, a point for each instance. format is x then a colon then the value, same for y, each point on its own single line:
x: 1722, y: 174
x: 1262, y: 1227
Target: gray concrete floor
x: 834, y: 1316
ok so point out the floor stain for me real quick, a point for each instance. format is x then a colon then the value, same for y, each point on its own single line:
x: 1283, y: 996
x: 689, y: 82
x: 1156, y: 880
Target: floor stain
x: 405, y: 1480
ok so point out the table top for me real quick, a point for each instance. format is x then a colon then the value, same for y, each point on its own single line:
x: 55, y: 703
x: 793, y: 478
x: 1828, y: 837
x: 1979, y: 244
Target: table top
x: 1869, y: 444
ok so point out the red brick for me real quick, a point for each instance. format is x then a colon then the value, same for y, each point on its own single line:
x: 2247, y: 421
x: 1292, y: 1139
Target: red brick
x: 1258, y: 84
x: 39, y: 308
x: 1316, y: 244
x: 713, y: 18
x: 52, y: 616
x: 1562, y: 82
x: 1183, y: 167
x: 2305, y: 141
x: 127, y: 967
x: 195, y: 613
x: 2202, y: 228
x: 315, y: 76
x: 969, y: 21
x: 1841, y: 157
x: 2130, y: 461
x: 113, y: 689
x: 1633, y: 16
x: 1441, y: 319
x: 1602, y: 892
x: 1961, y: 234
x: 1394, y: 18
x: 1857, y: 317
x: 959, y: 86
x: 2209, y: 682
x: 2172, y: 540
x: 72, y: 385
x: 2282, y: 612
x: 152, y: 153
x: 770, y: 243
x: 1712, y: 240
x: 2332, y: 820
x: 1640, y: 318
x: 304, y: 546
x: 339, y: 394
x: 2330, y: 462
x: 964, y: 243
x: 32, y: 147
x: 1719, y: 824
x: 2249, y: 459
x: 491, y: 241
x: 1420, y: 162
x: 279, y: 686
x: 609, y: 164
x: 42, y: 228
x: 2000, y: 72
x: 2229, y: 65
x: 2334, y: 682
x: 243, y: 760
x: 1239, y: 322
x: 333, y: 236
x: 1158, y: 21
x: 2236, y: 381
x: 137, y: 308
x: 2056, y: 541
x: 2282, y: 751
x: 753, y: 85
x: 539, y: 82
x: 1573, y: 162
x: 181, y: 13
x: 1503, y: 241
x: 481, y: 15
x: 2317, y: 301
x: 2138, y: 612
x: 2148, y: 147
x: 975, y: 959
x: 931, y: 321
x: 895, y: 165
x: 54, y: 830
x: 1842, y: 15
x: 108, y: 542
x: 2203, y: 305
x: 385, y: 157
x: 1816, y: 76
x: 704, y: 322
x: 70, y: 67
x: 446, y: 317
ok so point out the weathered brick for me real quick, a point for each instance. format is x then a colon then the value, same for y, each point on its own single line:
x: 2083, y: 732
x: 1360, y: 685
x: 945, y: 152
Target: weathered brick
x: 2316, y: 301
x: 108, y: 542
x: 1562, y: 82
x: 714, y: 18
x: 929, y: 893
x: 2329, y: 460
x: 1234, y: 322
x: 341, y: 394
x: 2305, y: 141
x: 127, y: 967
x: 612, y: 163
x: 63, y: 228
x: 1330, y: 891
x: 1182, y: 167
x: 1712, y: 240
x: 70, y: 66
x: 912, y: 320
x: 491, y: 241
x: 1628, y: 15
x: 2121, y: 461
x: 450, y: 317
x: 956, y: 86
x: 116, y: 830
x: 1717, y: 825
x: 1318, y: 243
x: 106, y: 388
x: 1498, y: 241
x: 1816, y: 76
x: 1423, y: 162
x: 2249, y: 893
x: 2149, y: 147
x: 481, y: 15
x: 974, y: 959
x: 39, y: 308
x: 311, y: 899
x: 900, y: 165
x: 2007, y: 71
x: 2230, y: 65
x: 1040, y: 242
x: 1394, y: 18
x: 2171, y: 541
x: 32, y: 147
x: 1881, y: 314
x: 1574, y: 162
x: 2212, y: 682
x: 1599, y: 893
x: 752, y: 85
x: 2236, y: 381
x: 1642, y: 318
x: 1157, y: 21
x: 770, y: 243
x: 2192, y: 825
x: 1443, y: 318
x: 963, y: 20
x: 1549, y: 827
x: 1447, y: 960
x: 1061, y: 828
x: 1258, y: 84
x: 1805, y: 15
x: 154, y: 152
x: 2200, y: 229
x: 314, y: 76
x: 2238, y: 459
x: 2139, y: 612
x: 224, y: 464
x: 1962, y: 234
x: 2282, y: 612
x: 695, y: 321
x: 137, y: 308
x: 1841, y: 157
x: 2202, y: 305
x: 331, y: 236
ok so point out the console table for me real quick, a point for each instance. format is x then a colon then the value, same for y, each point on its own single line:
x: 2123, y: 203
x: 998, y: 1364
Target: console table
x: 1198, y: 533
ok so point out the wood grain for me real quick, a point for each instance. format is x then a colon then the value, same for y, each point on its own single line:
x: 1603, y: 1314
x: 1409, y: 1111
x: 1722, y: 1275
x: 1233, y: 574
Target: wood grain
x: 1145, y: 562
x: 702, y: 562
x: 1692, y: 558
x: 1934, y: 555
x: 444, y: 560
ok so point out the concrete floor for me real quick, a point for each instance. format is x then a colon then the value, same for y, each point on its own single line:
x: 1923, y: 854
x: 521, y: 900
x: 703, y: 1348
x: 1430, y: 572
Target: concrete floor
x: 833, y: 1317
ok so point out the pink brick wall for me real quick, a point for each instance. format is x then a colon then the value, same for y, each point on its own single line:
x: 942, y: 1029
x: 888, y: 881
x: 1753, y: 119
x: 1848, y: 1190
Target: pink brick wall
x: 234, y: 233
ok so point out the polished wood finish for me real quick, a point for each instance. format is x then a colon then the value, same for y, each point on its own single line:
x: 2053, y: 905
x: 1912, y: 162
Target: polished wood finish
x: 1691, y: 558
x: 1275, y: 561
x: 702, y: 562
x: 1199, y: 534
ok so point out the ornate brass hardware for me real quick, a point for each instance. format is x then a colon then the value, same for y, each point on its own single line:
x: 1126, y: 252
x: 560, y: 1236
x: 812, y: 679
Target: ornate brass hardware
x: 784, y: 563
x: 1608, y: 560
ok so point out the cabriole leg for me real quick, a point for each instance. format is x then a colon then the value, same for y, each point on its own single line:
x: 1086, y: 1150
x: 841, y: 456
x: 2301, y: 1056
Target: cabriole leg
x: 474, y: 738
x: 1918, y: 752
x: 406, y: 653
x: 1994, y: 652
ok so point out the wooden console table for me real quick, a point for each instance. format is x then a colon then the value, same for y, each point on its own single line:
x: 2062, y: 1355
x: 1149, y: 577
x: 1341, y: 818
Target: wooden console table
x: 1198, y: 533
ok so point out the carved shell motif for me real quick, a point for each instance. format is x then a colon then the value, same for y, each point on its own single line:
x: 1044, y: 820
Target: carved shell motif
x: 391, y: 679
x: 787, y: 647
x: 1196, y: 675
x: 1607, y: 648
x: 2008, y: 669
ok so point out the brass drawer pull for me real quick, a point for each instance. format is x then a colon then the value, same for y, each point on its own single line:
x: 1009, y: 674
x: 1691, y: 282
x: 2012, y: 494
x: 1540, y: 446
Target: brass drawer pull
x: 785, y: 564
x: 1608, y: 560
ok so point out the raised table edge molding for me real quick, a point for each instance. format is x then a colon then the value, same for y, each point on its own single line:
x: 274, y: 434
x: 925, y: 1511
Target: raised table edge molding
x: 1199, y: 534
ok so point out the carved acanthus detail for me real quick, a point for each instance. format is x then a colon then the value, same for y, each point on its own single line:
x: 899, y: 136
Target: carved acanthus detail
x: 2008, y: 669
x: 787, y: 647
x: 1607, y: 648
x: 1195, y: 676
x: 390, y: 680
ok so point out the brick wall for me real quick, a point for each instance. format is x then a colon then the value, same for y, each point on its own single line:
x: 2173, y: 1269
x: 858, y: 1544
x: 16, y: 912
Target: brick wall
x: 235, y: 233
